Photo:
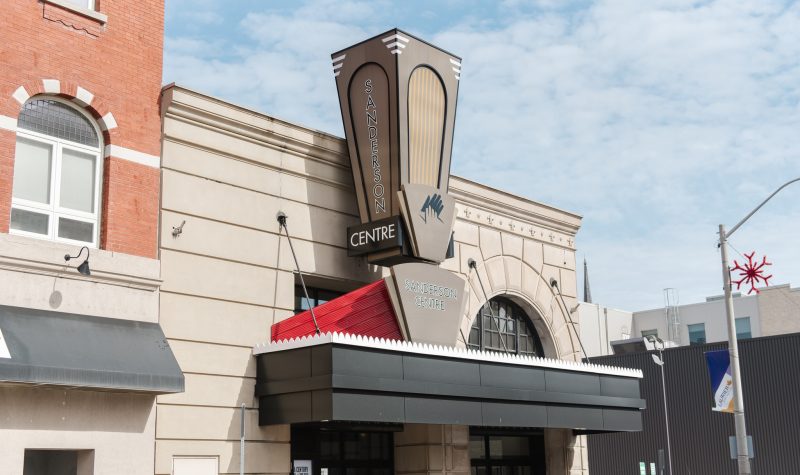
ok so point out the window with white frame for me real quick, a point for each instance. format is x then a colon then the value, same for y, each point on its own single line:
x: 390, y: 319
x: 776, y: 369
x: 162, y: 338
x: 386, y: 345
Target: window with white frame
x: 57, y: 171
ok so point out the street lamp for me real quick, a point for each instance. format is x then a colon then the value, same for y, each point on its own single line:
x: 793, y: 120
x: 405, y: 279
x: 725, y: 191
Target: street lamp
x: 656, y: 343
x: 742, y: 453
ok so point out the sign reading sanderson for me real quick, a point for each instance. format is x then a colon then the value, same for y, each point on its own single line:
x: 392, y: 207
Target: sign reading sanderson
x: 398, y: 99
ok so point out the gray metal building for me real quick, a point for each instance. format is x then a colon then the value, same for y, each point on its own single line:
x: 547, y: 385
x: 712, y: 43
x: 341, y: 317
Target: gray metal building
x: 699, y: 436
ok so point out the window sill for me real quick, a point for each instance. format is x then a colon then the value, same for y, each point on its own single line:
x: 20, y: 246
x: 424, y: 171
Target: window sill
x: 97, y: 16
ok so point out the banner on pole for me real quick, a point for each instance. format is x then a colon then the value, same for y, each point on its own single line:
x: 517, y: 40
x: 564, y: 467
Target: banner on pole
x: 719, y: 369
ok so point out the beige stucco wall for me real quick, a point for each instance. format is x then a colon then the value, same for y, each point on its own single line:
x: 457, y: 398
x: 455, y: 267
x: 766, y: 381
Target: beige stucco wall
x: 779, y: 307
x: 601, y: 325
x: 228, y: 276
x: 119, y: 427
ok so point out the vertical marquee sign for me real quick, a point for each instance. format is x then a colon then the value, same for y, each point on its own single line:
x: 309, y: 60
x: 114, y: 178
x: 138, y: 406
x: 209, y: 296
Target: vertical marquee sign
x: 398, y: 96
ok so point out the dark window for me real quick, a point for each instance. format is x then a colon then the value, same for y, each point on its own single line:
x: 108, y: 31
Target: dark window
x: 501, y: 325
x: 697, y: 333
x: 315, y: 297
x: 507, y: 454
x: 743, y: 330
x: 55, y: 119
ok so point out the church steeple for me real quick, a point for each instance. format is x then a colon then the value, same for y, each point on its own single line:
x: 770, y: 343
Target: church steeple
x: 587, y: 292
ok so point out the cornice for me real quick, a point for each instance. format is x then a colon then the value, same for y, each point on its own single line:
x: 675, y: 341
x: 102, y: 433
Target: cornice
x: 195, y: 107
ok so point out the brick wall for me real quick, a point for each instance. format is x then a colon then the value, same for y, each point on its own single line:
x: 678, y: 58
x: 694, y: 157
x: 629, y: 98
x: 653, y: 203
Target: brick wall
x: 119, y: 62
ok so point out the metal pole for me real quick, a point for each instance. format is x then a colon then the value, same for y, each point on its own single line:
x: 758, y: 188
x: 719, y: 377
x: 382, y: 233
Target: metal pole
x: 743, y: 457
x: 666, y: 413
x: 241, y: 445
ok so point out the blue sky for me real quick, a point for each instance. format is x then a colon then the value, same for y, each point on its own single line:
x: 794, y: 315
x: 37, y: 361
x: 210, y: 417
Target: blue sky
x: 656, y: 121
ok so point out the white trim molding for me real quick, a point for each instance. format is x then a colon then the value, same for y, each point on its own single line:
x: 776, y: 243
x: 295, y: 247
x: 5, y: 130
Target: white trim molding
x: 21, y: 95
x: 84, y: 97
x: 8, y: 123
x: 94, y: 15
x: 51, y: 86
x: 108, y: 122
x: 133, y: 156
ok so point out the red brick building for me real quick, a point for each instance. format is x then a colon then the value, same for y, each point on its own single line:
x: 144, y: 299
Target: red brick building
x: 102, y: 59
x: 82, y: 356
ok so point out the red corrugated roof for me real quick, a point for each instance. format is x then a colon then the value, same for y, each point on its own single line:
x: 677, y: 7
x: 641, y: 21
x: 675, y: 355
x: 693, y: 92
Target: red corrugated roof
x: 366, y: 311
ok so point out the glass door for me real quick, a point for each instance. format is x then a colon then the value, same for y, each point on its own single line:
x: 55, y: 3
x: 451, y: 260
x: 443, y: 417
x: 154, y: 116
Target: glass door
x: 341, y: 451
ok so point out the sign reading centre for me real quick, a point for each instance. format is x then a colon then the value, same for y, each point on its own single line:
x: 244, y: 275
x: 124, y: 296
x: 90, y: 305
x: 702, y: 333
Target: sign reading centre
x: 398, y: 97
x: 375, y: 236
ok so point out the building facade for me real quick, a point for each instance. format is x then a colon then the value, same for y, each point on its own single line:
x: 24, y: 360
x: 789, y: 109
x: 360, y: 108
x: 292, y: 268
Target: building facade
x: 80, y: 358
x: 149, y: 288
x: 699, y: 436
x: 772, y: 311
x: 230, y: 276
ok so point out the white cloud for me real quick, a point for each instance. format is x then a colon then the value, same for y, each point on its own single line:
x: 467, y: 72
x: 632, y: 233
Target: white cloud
x: 655, y: 120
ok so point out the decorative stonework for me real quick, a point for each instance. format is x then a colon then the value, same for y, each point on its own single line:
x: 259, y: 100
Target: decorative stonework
x: 518, y: 227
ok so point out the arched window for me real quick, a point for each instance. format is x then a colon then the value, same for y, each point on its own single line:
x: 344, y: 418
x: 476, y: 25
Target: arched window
x: 57, y: 172
x: 502, y: 321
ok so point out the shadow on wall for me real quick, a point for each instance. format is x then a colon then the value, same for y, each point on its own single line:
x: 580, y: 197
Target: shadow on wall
x: 56, y: 409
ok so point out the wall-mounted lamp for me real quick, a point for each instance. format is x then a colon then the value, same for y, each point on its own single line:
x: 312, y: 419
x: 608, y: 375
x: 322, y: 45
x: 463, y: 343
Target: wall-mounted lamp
x: 84, y: 267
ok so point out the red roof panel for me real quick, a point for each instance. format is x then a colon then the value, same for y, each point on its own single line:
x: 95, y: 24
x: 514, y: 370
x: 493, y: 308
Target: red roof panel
x: 366, y: 311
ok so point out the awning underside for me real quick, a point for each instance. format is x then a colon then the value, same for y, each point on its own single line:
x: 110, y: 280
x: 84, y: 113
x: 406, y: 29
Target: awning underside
x: 62, y: 349
x: 334, y: 382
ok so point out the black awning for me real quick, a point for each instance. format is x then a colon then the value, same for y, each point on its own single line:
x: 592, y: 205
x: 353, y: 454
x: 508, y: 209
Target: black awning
x: 334, y: 378
x: 64, y: 349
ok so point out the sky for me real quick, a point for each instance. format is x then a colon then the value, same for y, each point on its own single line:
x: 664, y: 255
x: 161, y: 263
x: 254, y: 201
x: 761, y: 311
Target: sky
x: 654, y: 120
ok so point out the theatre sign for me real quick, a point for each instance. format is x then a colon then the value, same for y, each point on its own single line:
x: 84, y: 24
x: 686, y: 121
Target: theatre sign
x: 398, y: 99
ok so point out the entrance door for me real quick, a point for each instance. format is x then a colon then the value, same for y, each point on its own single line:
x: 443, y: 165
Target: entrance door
x: 342, y: 451
x: 495, y: 454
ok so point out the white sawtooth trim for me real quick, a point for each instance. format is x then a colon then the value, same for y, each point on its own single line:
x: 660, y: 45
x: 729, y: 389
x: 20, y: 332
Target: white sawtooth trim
x: 8, y: 123
x: 453, y: 61
x: 396, y: 44
x: 4, y: 353
x: 438, y: 350
x: 396, y: 51
x: 133, y: 156
x: 338, y: 66
x: 395, y: 37
x: 21, y: 95
x: 458, y: 76
x: 108, y: 122
x: 84, y: 97
x: 52, y: 86
x: 339, y: 58
x: 336, y: 74
x: 457, y: 70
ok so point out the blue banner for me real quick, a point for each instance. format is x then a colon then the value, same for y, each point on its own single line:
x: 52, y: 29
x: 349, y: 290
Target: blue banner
x: 719, y: 369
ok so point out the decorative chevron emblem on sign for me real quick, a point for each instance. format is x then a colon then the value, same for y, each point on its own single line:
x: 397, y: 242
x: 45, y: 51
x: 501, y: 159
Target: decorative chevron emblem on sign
x: 456, y: 68
x: 338, y: 62
x: 395, y: 43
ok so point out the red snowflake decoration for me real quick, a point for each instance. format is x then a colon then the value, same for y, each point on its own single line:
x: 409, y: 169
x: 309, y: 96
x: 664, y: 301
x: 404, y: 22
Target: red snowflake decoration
x: 751, y: 272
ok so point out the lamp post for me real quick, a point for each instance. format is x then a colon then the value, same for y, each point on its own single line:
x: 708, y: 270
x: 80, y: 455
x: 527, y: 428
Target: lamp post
x: 742, y: 453
x: 659, y: 360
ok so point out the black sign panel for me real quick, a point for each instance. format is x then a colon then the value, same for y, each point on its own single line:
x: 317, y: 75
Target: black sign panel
x: 375, y: 236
